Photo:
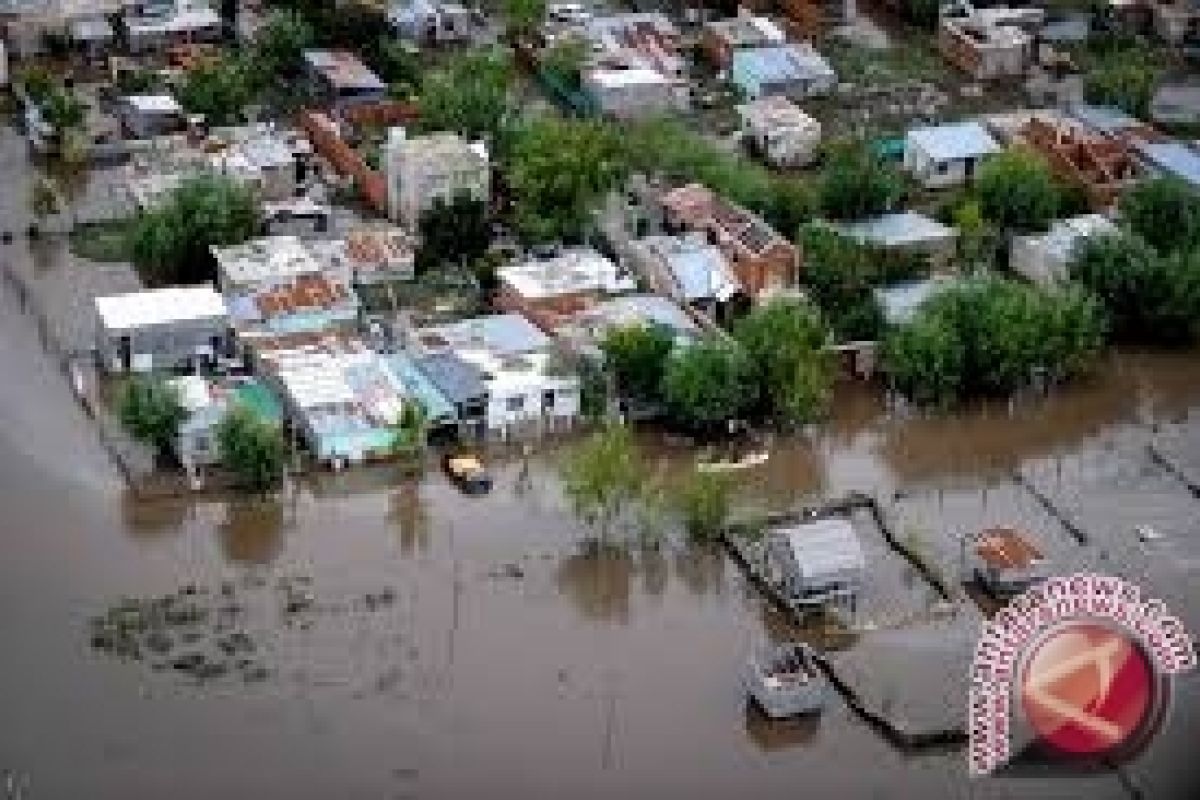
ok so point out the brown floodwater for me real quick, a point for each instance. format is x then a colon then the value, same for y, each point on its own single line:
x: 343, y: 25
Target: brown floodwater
x: 514, y: 662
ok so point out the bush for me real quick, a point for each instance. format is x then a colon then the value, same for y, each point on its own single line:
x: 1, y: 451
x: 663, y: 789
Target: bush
x: 170, y: 244
x: 857, y: 184
x: 990, y: 337
x: 1150, y: 297
x: 636, y: 357
x: 1017, y: 191
x: 1165, y: 212
x: 704, y: 385
x: 790, y: 372
x: 251, y: 448
x: 150, y: 410
x: 702, y: 503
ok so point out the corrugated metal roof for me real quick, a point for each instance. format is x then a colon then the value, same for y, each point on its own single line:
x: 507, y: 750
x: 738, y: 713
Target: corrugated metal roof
x: 779, y: 63
x: 895, y: 230
x: 455, y: 379
x: 825, y: 547
x: 951, y: 142
x: 502, y: 334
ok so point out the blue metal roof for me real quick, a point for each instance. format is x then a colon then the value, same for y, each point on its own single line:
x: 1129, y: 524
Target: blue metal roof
x: 455, y: 380
x: 1104, y: 119
x: 503, y: 334
x: 421, y: 387
x: 1173, y: 158
x: 785, y: 62
x: 952, y: 142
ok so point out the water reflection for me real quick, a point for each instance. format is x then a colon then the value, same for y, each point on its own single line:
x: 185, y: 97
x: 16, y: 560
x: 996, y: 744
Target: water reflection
x: 779, y: 734
x: 252, y: 531
x: 701, y: 569
x: 598, y: 580
x: 150, y: 519
x: 410, y: 513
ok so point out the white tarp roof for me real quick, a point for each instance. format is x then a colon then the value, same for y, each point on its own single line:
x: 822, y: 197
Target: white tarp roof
x: 159, y: 307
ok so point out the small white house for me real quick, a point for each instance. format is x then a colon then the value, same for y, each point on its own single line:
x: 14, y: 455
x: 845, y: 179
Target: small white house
x: 776, y: 128
x: 1045, y: 258
x: 162, y: 329
x: 146, y: 115
x: 947, y: 155
x: 816, y: 561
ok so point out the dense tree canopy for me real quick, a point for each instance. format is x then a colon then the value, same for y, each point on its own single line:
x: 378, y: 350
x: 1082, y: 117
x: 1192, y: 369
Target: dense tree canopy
x: 558, y: 170
x: 280, y: 43
x: 1165, y: 212
x: 636, y: 357
x: 523, y: 17
x: 470, y: 95
x: 1149, y: 296
x: 990, y: 337
x: 705, y: 384
x: 857, y: 184
x: 456, y: 233
x: 150, y: 411
x: 790, y: 373
x: 841, y: 276
x: 220, y: 91
x: 251, y: 448
x: 1123, y: 77
x: 170, y: 243
x: 1017, y: 191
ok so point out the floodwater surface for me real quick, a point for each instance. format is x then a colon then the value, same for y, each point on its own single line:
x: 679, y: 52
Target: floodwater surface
x: 509, y: 661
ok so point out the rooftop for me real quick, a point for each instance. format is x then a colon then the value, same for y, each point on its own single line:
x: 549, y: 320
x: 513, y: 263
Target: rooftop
x: 774, y: 112
x: 898, y: 229
x: 1063, y: 236
x: 503, y: 334
x: 746, y: 30
x: 823, y: 547
x: 782, y: 62
x: 343, y: 70
x: 699, y: 207
x: 1005, y: 548
x: 153, y: 104
x: 159, y: 307
x: 572, y: 271
x: 699, y: 270
x: 955, y: 141
x: 900, y: 302
x: 265, y: 259
x: 1173, y: 158
x: 184, y: 16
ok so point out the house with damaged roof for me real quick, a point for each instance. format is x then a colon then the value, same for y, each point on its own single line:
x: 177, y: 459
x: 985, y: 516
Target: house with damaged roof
x: 762, y: 260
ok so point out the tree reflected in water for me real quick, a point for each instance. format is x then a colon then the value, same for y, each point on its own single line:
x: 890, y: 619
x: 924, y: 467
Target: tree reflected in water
x: 252, y: 531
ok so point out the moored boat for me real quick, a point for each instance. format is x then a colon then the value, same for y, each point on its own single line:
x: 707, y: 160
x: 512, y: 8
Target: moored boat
x: 784, y: 680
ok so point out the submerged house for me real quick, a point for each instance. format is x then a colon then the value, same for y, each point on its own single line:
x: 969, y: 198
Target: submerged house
x: 179, y: 327
x: 525, y: 385
x: 1005, y: 561
x: 688, y: 270
x: 818, y: 561
x: 206, y: 401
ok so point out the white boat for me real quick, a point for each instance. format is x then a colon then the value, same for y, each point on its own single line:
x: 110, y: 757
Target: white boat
x: 745, y: 462
x: 784, y: 680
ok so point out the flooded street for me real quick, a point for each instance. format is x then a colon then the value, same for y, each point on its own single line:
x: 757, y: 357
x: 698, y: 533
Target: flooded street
x: 510, y: 663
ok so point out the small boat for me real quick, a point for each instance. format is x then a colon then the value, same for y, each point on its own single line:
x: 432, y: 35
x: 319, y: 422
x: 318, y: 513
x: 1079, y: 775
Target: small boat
x: 468, y: 473
x: 784, y: 680
x: 744, y: 462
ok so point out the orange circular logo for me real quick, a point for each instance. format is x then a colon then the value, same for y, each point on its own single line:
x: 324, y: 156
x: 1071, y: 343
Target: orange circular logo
x: 1089, y: 689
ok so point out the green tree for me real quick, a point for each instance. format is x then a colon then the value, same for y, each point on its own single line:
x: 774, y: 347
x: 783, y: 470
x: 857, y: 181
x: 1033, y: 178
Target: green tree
x: 842, y: 274
x: 251, y: 448
x: 456, y: 233
x: 791, y: 375
x: 603, y: 477
x: 1125, y: 78
x: 990, y: 337
x: 976, y: 239
x: 220, y: 90
x: 1149, y: 297
x: 470, y: 95
x: 565, y: 59
x: 636, y: 357
x: 856, y: 184
x: 558, y: 171
x: 171, y: 243
x: 704, y: 385
x: 1017, y: 191
x: 1165, y: 212
x: 150, y: 410
x: 399, y: 64
x: 63, y: 111
x: 703, y: 503
x: 38, y: 83
x: 522, y: 18
x: 280, y: 43
x: 411, y: 430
